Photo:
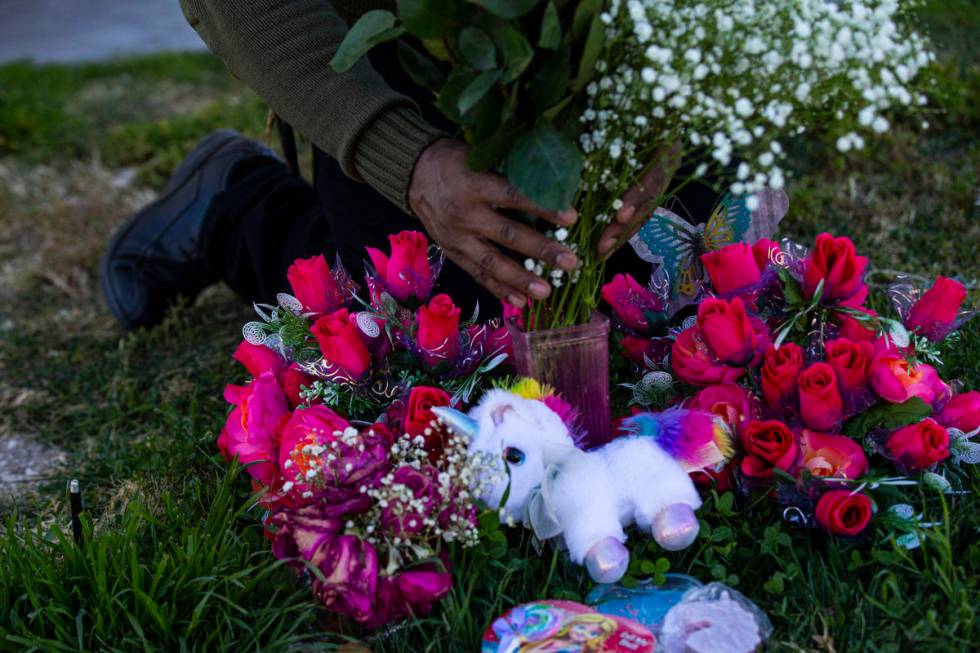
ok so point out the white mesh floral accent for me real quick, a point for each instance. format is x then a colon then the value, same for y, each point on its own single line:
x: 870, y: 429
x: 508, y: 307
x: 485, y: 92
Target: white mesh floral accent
x: 289, y: 302
x: 367, y: 325
x: 254, y: 333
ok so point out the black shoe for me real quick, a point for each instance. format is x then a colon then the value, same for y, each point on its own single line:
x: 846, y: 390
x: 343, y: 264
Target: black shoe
x: 159, y: 254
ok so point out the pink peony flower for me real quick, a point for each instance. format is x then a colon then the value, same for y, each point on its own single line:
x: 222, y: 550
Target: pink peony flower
x: 832, y: 455
x: 896, y: 380
x: 252, y: 430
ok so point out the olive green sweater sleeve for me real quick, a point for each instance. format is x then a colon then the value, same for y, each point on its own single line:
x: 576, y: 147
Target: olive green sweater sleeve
x: 282, y: 50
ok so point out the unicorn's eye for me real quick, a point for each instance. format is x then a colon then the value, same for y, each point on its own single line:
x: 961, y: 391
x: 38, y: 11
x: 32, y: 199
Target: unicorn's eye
x: 514, y: 456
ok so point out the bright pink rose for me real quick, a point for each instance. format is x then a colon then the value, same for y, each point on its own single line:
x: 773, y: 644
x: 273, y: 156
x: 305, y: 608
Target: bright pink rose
x: 630, y: 300
x: 728, y: 331
x: 406, y: 273
x: 842, y: 513
x: 341, y: 343
x: 856, y: 330
x: 934, y: 315
x: 821, y: 407
x: 832, y: 455
x: 765, y: 252
x: 851, y: 362
x: 780, y: 372
x: 258, y: 358
x: 692, y: 362
x: 727, y: 400
x: 316, y: 425
x: 313, y: 285
x: 292, y: 380
x: 731, y: 268
x: 438, y: 330
x: 896, y: 380
x: 767, y: 444
x: 835, y: 262
x: 252, y: 430
x: 918, y: 446
x: 962, y: 412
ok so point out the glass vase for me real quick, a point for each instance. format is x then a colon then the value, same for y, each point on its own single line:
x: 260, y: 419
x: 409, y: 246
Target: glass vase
x: 574, y: 361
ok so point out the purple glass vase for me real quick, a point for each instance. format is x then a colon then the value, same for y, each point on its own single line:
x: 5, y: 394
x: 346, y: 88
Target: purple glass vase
x: 574, y: 361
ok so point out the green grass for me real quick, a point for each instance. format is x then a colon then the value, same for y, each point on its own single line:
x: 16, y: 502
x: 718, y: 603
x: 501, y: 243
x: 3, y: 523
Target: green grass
x: 174, y: 555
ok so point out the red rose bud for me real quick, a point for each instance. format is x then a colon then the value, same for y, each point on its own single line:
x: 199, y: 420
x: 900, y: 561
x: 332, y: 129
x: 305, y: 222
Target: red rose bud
x: 292, y: 380
x: 820, y: 402
x: 767, y: 444
x: 780, y: 372
x: 692, y: 363
x: 438, y: 330
x: 314, y: 286
x: 835, y: 456
x: 842, y: 513
x: 728, y: 331
x: 962, y: 412
x: 934, y: 315
x: 418, y: 415
x: 341, y: 344
x: 635, y: 349
x: 258, y: 358
x: 630, y: 300
x: 919, y: 446
x: 406, y: 273
x: 896, y: 380
x: 857, y: 330
x: 731, y: 268
x: 765, y: 252
x: 834, y: 261
x: 851, y: 362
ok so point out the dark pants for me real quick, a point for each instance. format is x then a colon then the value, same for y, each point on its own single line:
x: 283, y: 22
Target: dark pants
x: 268, y: 218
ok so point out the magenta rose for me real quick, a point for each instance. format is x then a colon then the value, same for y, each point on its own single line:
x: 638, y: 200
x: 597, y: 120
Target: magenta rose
x: 438, y: 330
x: 731, y: 268
x: 832, y: 456
x: 727, y: 400
x: 851, y: 362
x: 258, y: 358
x: 341, y: 344
x: 767, y: 444
x: 292, y: 380
x: 765, y: 252
x: 731, y: 335
x: 821, y: 407
x: 406, y: 518
x: 314, y: 286
x: 780, y: 374
x: 896, y: 380
x: 962, y: 412
x: 857, y: 330
x: 934, y: 314
x: 919, y: 446
x: 300, y: 532
x: 841, y: 512
x: 631, y: 301
x: 693, y: 363
x: 252, y: 430
x: 835, y: 262
x: 349, y: 567
x: 406, y: 273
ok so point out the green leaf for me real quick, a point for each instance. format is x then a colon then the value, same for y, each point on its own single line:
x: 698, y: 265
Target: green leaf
x: 934, y: 481
x: 775, y: 583
x: 791, y: 287
x: 546, y: 167
x: 428, y: 19
x: 582, y: 20
x: 477, y: 48
x: 590, y: 54
x: 488, y: 153
x: 887, y: 416
x: 374, y: 27
x: 548, y: 84
x: 550, y: 37
x: 507, y: 8
x: 447, y: 99
x: 476, y: 89
x: 515, y: 51
x: 423, y: 70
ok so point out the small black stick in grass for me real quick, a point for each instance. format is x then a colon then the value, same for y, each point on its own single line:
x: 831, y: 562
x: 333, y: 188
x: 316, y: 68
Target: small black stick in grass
x: 75, y: 497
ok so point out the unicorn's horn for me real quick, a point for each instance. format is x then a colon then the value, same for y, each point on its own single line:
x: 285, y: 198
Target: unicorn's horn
x: 457, y: 420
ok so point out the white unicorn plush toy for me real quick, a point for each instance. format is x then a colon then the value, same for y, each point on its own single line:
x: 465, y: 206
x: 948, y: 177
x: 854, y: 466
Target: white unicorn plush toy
x: 588, y: 497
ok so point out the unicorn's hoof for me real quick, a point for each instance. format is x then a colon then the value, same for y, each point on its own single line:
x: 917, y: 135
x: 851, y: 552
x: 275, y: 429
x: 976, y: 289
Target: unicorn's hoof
x: 607, y: 560
x: 675, y: 527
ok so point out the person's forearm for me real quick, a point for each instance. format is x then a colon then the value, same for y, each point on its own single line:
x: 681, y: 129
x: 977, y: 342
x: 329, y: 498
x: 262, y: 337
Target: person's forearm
x: 282, y: 50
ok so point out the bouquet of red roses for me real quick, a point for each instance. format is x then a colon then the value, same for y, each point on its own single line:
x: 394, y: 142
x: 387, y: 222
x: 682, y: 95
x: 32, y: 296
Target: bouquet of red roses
x: 829, y: 399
